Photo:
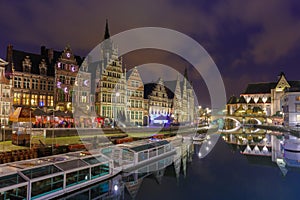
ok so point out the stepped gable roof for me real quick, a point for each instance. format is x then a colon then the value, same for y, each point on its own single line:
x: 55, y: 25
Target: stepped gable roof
x: 149, y: 87
x: 128, y: 74
x: 170, y: 93
x: 232, y: 100
x: 92, y: 68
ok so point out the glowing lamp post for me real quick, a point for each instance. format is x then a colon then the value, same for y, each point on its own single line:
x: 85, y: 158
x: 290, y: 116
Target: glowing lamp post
x: 115, y: 107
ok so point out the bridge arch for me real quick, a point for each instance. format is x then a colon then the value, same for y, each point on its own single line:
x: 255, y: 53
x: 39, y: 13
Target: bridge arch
x: 258, y: 121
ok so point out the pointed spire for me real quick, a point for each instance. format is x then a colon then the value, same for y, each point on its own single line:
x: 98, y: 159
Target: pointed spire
x: 280, y: 75
x: 185, y: 74
x: 106, y: 35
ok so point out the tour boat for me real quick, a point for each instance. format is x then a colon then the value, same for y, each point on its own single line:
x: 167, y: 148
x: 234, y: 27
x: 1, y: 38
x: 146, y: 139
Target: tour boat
x: 199, y: 137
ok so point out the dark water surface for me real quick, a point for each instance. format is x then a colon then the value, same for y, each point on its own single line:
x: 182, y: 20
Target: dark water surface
x: 226, y: 174
x: 223, y: 174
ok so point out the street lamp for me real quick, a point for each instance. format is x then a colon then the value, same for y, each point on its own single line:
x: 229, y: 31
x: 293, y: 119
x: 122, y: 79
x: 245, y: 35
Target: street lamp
x: 3, y: 127
x: 115, y: 108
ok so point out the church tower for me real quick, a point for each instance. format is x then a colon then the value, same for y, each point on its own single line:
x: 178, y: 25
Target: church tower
x: 110, y: 90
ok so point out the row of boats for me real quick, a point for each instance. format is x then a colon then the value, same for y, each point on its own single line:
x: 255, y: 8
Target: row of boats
x: 53, y: 176
x: 49, y: 177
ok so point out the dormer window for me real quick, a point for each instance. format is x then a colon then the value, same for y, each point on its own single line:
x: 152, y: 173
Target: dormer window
x: 43, y: 71
x: 43, y: 68
x: 26, y: 64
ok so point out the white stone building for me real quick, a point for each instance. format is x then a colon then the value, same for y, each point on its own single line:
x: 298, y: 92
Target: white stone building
x: 291, y: 107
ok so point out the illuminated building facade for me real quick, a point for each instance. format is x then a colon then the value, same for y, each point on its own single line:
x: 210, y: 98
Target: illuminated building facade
x: 135, y: 98
x: 183, y: 101
x: 110, y: 90
x: 32, y: 78
x: 66, y: 69
x: 160, y: 102
x: 188, y: 100
x: 261, y: 98
x: 6, y: 95
x: 82, y: 99
x: 291, y: 107
x: 42, y: 80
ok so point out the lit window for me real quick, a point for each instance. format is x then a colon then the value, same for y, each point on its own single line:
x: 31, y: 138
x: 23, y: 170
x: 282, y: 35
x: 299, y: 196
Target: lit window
x: 17, y: 98
x: 42, y: 100
x: 26, y: 99
x: 297, y: 106
x: 50, y: 101
x: 83, y: 98
x: 34, y: 99
x: 298, y: 118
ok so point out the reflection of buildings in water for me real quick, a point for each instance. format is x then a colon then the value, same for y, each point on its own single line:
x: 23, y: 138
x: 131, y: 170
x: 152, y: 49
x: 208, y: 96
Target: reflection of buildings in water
x: 157, y: 170
x: 273, y: 142
x: 277, y: 150
x: 286, y: 153
x: 177, y: 162
x: 291, y: 149
x: 244, y: 139
x: 114, y: 188
x: 250, y: 144
x: 187, y: 152
x: 208, y: 144
x: 133, y: 182
x: 183, y: 154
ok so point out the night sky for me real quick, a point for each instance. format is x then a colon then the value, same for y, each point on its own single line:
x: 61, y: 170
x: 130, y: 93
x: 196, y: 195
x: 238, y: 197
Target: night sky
x: 250, y: 41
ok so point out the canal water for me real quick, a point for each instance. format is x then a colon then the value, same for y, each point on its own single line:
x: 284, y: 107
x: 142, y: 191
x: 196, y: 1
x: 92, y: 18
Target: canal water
x: 224, y: 173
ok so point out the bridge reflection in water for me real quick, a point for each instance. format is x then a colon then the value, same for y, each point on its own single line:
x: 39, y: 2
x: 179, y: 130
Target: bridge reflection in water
x: 127, y: 184
x: 262, y: 146
x: 230, y: 124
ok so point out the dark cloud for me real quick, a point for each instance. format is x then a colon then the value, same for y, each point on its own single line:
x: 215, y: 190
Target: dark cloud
x: 243, y: 37
x: 278, y: 30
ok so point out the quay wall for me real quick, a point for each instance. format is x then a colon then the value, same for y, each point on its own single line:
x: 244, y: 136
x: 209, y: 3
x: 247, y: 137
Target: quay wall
x: 6, y: 134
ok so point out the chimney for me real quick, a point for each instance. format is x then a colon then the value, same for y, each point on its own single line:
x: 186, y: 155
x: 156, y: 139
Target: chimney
x: 43, y: 51
x: 9, y: 59
x: 9, y: 53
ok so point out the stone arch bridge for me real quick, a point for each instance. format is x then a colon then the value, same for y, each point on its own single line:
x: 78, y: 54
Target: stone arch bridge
x: 234, y: 123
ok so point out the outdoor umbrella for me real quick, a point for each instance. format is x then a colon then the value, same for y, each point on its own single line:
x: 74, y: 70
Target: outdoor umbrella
x: 68, y: 114
x: 39, y: 112
x: 57, y: 113
x: 22, y: 115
